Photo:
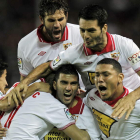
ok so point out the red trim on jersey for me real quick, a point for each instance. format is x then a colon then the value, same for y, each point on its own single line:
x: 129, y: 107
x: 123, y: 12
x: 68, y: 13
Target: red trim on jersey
x: 108, y: 48
x: 113, y: 102
x: 41, y: 37
x: 66, y: 126
x: 11, y: 116
x: 51, y: 66
x: 15, y: 84
x: 43, y: 80
x: 78, y: 109
x: 137, y: 70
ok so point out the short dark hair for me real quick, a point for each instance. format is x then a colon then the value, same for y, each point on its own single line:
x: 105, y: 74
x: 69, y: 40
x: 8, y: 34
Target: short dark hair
x: 3, y: 66
x: 66, y: 69
x: 50, y: 6
x: 94, y: 12
x: 116, y: 65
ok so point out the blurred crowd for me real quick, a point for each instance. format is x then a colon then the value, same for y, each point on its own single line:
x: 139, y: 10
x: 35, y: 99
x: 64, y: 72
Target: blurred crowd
x: 18, y: 18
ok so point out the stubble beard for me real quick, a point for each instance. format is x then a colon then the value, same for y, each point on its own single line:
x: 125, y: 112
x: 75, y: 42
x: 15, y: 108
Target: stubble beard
x: 49, y: 32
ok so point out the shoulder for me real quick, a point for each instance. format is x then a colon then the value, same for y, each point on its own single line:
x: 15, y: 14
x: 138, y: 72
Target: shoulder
x: 72, y: 26
x: 121, y: 40
x: 26, y: 40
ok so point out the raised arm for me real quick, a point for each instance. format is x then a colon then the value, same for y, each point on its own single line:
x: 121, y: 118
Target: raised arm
x: 39, y: 72
x: 38, y: 86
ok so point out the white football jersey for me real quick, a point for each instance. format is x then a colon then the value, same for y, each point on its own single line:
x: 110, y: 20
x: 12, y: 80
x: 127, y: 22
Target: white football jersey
x: 122, y: 49
x: 84, y: 120
x: 33, y: 50
x: 114, y: 129
x: 36, y: 117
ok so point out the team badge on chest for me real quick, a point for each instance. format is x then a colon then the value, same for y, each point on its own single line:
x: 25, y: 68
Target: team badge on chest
x: 67, y: 45
x: 115, y: 56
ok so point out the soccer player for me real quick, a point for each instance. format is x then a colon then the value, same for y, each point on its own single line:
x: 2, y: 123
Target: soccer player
x: 98, y: 44
x: 109, y: 84
x: 37, y: 116
x: 49, y: 39
x: 65, y: 83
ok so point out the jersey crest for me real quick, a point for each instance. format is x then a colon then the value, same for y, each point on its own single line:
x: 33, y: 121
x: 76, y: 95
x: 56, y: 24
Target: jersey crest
x: 115, y: 56
x: 105, y: 122
x: 67, y: 45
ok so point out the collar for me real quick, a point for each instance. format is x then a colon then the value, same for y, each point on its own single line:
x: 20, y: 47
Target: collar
x: 42, y: 39
x: 78, y: 109
x: 113, y: 102
x: 110, y: 46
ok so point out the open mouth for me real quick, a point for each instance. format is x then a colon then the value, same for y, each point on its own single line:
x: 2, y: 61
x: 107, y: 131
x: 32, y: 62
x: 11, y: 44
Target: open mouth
x: 56, y: 32
x: 102, y: 88
x: 67, y: 94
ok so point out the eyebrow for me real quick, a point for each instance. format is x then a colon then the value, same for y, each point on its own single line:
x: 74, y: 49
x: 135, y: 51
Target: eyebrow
x: 88, y: 29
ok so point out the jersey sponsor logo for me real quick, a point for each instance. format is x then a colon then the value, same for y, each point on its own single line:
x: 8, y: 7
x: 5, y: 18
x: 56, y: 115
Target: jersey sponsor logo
x: 134, y: 58
x: 56, y: 60
x: 68, y: 114
x: 56, y: 134
x: 20, y: 65
x: 105, y: 122
x: 67, y: 45
x: 88, y: 63
x: 91, y: 98
x: 41, y: 53
x: 91, y: 77
x: 115, y: 56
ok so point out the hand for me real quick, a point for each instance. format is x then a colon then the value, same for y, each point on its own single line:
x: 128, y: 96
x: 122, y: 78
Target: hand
x: 2, y: 132
x: 81, y: 93
x: 15, y: 94
x: 124, y: 105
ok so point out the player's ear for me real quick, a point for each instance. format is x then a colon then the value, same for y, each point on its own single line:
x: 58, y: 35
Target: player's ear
x: 54, y: 85
x: 41, y: 19
x: 120, y: 77
x: 104, y: 29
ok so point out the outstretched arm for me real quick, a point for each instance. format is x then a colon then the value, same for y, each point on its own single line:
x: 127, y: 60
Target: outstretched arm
x: 126, y: 104
x: 39, y: 72
x: 4, y: 103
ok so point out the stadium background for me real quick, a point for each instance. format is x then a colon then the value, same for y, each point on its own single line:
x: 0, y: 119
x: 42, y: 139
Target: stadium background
x: 19, y: 17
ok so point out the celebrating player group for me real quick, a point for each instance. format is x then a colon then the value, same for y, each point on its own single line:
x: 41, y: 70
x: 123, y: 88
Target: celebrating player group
x: 77, y: 81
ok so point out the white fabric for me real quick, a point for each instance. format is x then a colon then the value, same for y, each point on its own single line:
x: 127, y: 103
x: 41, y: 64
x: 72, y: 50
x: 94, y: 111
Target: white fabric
x: 125, y: 49
x: 114, y: 129
x: 36, y: 117
x: 84, y: 120
x: 30, y: 47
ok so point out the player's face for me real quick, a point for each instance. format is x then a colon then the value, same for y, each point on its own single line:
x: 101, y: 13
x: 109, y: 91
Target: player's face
x: 54, y: 25
x: 66, y: 88
x: 94, y: 37
x: 107, y: 81
x: 3, y: 81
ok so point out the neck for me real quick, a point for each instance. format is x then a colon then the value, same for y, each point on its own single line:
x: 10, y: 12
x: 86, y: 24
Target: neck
x: 73, y: 103
x: 119, y: 91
